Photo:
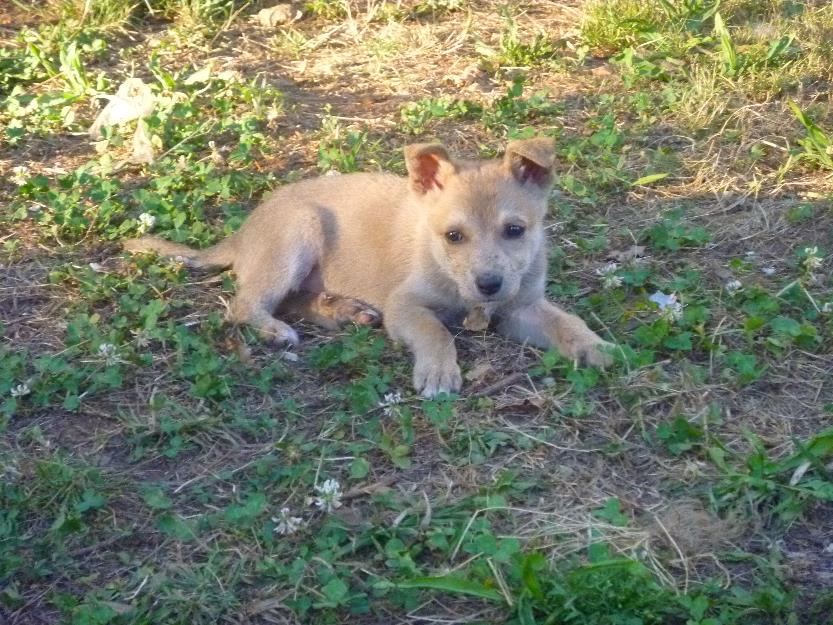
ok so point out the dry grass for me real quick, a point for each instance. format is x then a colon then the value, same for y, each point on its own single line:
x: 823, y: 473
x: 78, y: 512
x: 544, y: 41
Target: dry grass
x: 727, y: 143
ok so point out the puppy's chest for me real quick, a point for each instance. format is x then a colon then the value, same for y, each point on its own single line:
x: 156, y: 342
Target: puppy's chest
x: 367, y: 261
x: 368, y: 277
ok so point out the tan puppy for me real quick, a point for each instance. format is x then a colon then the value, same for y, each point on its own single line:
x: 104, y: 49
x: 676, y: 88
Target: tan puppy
x: 454, y: 238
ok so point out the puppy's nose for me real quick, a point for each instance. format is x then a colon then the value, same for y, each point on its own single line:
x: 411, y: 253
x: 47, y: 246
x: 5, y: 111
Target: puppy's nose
x: 488, y: 283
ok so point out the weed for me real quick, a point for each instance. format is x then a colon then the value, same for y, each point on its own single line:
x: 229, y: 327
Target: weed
x: 612, y: 26
x: 511, y: 111
x: 328, y: 9
x: 679, y: 436
x: 434, y: 7
x: 672, y: 234
x: 728, y: 53
x: 200, y: 13
x: 341, y: 150
x: 605, y: 591
x: 417, y: 116
x: 817, y: 145
x: 779, y: 488
x: 512, y: 52
x: 688, y: 223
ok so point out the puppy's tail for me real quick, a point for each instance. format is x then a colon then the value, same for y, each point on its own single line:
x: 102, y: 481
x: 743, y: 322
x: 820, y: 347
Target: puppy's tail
x: 220, y: 256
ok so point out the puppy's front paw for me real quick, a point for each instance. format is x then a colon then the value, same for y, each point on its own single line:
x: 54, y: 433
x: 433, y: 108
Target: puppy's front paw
x: 594, y: 352
x: 432, y: 377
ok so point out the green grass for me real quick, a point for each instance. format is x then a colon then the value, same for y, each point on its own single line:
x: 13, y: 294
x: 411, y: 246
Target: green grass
x: 159, y: 466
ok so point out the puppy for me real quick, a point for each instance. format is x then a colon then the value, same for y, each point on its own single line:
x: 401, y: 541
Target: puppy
x: 455, y: 237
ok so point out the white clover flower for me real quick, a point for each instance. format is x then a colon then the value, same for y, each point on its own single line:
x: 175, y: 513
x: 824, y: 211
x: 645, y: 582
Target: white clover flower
x: 20, y: 175
x: 216, y: 156
x: 329, y: 495
x: 146, y: 223
x: 21, y: 390
x: 612, y: 282
x: 110, y: 353
x: 287, y: 524
x: 669, y: 307
x: 608, y: 276
x: 734, y: 286
x: 141, y: 337
x: 812, y: 260
x: 9, y: 470
x: 768, y: 271
x: 389, y: 401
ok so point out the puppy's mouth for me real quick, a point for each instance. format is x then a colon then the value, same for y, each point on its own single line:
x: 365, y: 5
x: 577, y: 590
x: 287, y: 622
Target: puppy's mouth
x: 491, y: 299
x: 474, y: 298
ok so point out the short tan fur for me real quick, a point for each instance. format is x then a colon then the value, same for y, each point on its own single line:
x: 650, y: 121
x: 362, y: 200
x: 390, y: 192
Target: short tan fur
x: 423, y: 251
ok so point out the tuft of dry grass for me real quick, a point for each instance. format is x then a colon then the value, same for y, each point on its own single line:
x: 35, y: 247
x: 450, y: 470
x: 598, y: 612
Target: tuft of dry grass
x: 534, y: 456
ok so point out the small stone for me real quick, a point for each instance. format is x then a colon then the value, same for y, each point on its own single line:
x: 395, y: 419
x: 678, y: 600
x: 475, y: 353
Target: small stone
x: 290, y: 356
x: 277, y: 15
x: 602, y: 71
x: 472, y: 77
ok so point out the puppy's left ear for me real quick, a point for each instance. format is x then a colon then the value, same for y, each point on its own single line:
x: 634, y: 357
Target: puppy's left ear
x: 531, y: 161
x: 429, y: 167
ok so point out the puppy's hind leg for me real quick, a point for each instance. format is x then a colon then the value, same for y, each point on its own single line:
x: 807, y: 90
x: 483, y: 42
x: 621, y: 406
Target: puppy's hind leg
x: 264, y: 281
x: 254, y: 309
x: 330, y: 311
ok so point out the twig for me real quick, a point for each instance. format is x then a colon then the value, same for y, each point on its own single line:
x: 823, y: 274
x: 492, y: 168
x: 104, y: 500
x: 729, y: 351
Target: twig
x: 502, y: 383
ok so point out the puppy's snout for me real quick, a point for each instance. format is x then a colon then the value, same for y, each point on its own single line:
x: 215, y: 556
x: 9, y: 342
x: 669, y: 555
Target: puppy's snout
x: 488, y: 283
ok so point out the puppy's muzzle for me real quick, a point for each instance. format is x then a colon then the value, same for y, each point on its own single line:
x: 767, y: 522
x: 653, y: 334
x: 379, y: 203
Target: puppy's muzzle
x: 489, y: 283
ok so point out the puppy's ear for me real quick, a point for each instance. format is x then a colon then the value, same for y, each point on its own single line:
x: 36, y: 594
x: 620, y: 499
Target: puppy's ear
x: 429, y: 166
x: 531, y: 161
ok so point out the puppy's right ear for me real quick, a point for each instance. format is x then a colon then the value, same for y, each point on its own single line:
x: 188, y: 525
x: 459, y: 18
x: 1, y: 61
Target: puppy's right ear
x: 531, y: 161
x: 429, y: 167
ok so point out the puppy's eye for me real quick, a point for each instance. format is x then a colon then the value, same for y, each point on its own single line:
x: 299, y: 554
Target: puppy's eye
x: 513, y: 231
x: 454, y: 236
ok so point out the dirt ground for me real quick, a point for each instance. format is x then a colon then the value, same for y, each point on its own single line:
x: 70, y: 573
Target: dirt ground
x: 525, y: 453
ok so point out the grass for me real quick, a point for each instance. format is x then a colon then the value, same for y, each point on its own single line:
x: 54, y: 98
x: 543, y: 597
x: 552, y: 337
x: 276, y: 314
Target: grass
x: 161, y: 467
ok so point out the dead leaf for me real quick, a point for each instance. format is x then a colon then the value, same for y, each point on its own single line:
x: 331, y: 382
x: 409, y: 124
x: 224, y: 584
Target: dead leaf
x: 479, y: 371
x: 243, y: 352
x: 799, y: 472
x: 133, y: 100
x: 527, y: 404
x: 724, y: 274
x: 373, y: 488
x: 143, y: 151
x: 478, y: 318
x: 634, y: 251
x: 200, y: 76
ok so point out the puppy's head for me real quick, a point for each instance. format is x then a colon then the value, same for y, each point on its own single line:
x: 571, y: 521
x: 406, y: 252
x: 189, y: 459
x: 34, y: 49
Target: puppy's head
x: 484, y: 218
